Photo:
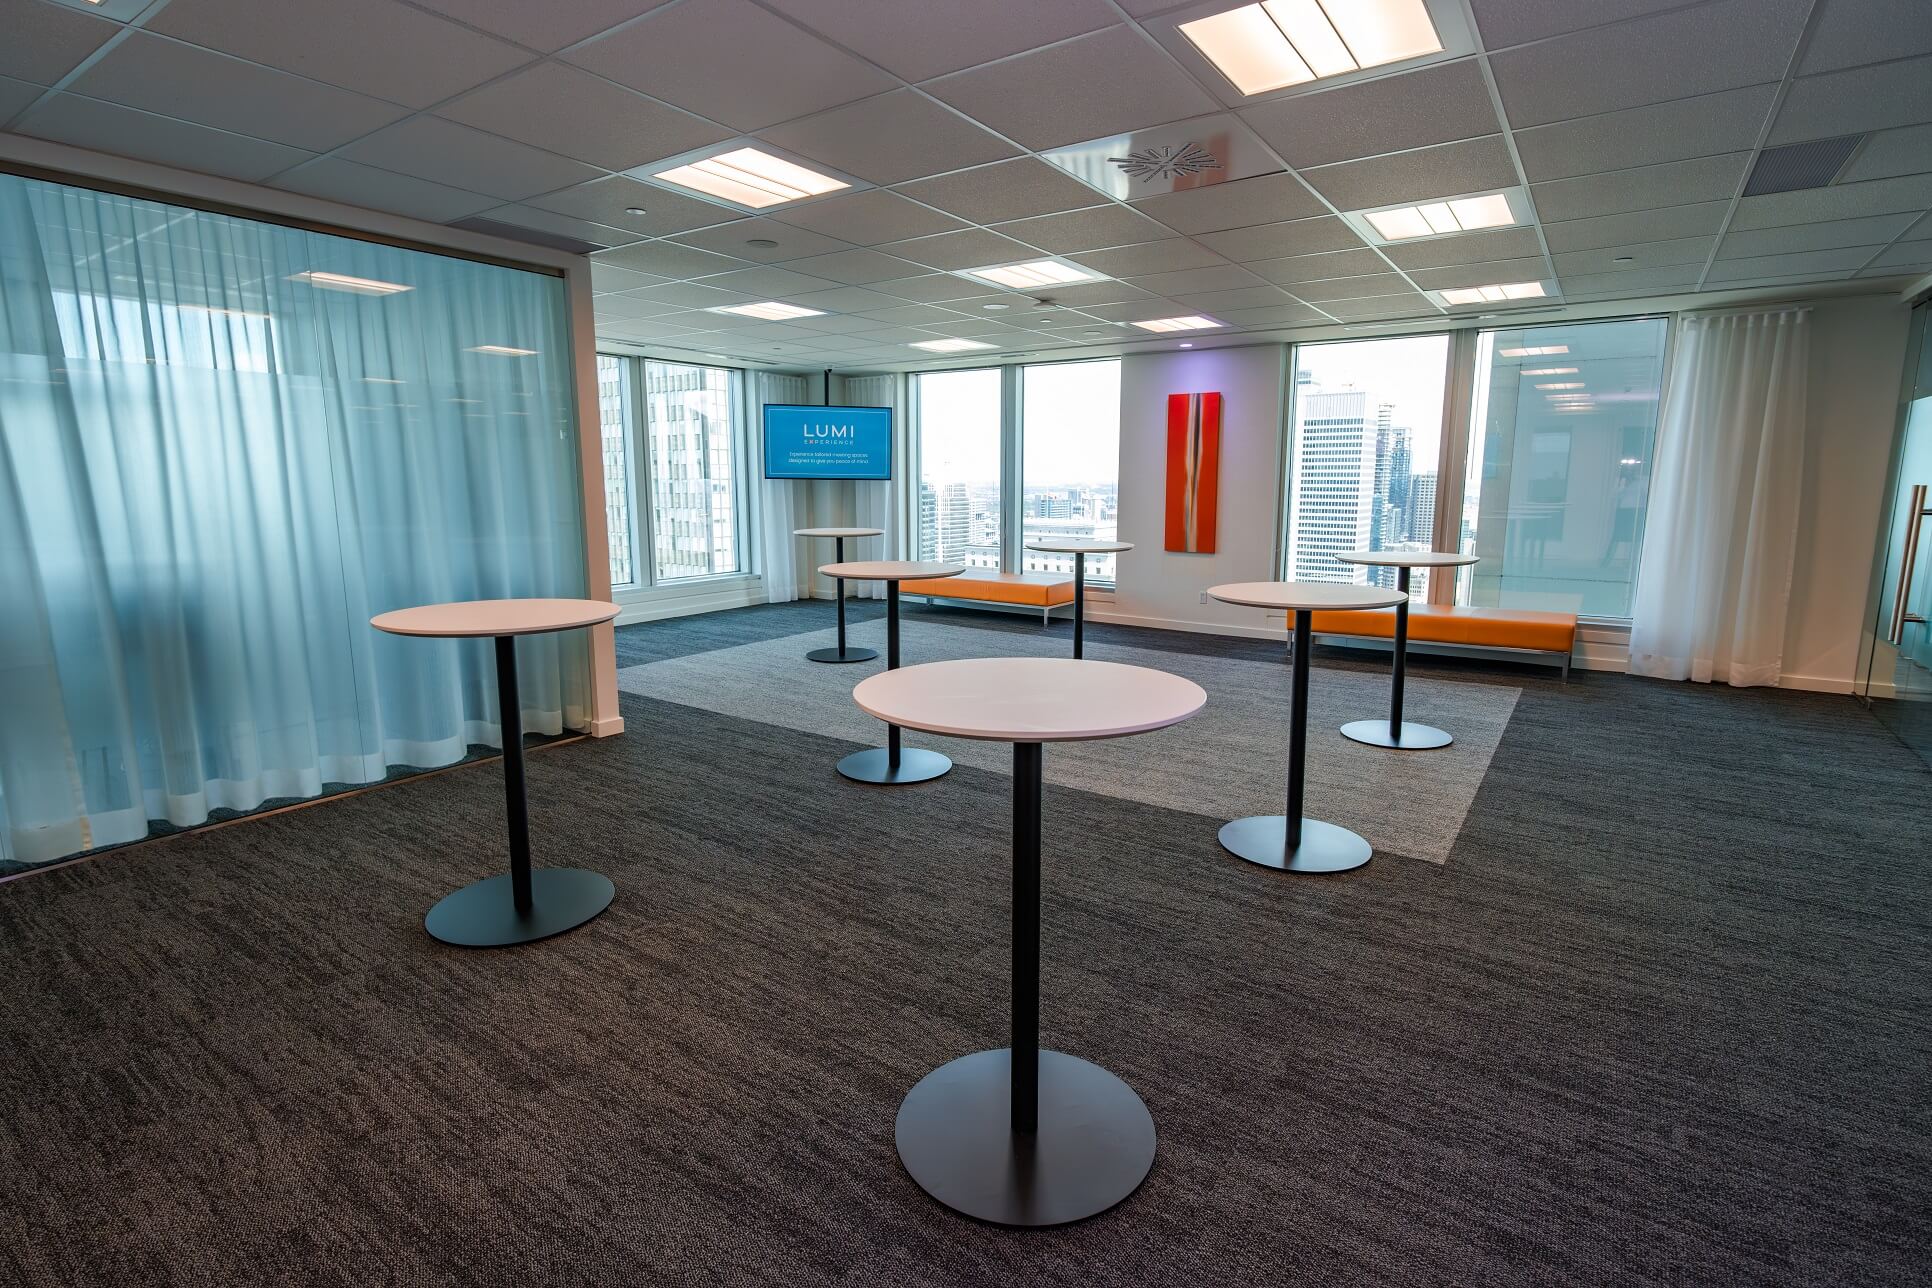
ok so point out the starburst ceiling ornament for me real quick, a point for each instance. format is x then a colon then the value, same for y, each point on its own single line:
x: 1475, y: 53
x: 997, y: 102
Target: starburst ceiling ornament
x: 1164, y: 162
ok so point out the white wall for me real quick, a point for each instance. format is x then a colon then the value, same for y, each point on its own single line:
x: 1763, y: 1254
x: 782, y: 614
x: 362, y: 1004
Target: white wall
x: 1857, y: 361
x: 1157, y: 587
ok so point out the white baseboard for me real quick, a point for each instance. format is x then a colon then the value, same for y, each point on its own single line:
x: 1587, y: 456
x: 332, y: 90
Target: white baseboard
x: 1816, y: 683
x: 609, y: 727
x: 657, y: 603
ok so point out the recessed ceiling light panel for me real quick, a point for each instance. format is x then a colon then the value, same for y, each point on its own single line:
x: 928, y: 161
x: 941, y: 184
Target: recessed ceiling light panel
x: 949, y: 346
x: 1533, y: 350
x: 1279, y: 43
x: 1190, y: 323
x: 1495, y: 294
x: 1504, y: 208
x: 354, y: 285
x: 770, y: 311
x: 1031, y: 275
x: 748, y: 174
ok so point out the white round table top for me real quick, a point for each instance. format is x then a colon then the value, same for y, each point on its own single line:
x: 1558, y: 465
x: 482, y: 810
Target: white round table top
x: 1408, y: 558
x: 890, y: 569
x: 1029, y: 699
x: 1299, y: 595
x: 838, y: 532
x: 1080, y: 546
x: 496, y: 617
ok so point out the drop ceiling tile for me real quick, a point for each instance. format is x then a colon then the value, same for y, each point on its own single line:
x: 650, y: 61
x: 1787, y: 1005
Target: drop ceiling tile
x: 376, y: 47
x: 856, y: 267
x: 1439, y: 104
x: 1196, y: 281
x: 1109, y: 82
x: 360, y: 185
x: 1316, y: 268
x: 169, y: 78
x: 544, y: 221
x: 768, y: 283
x: 1889, y: 154
x: 845, y: 299
x: 935, y: 288
x: 1265, y: 199
x: 1282, y: 315
x: 1490, y: 274
x: 609, y: 278
x: 610, y: 201
x: 1273, y: 241
x: 1426, y: 174
x: 891, y: 138
x: 1642, y: 281
x: 1833, y: 263
x: 731, y: 61
x: 1834, y: 234
x: 869, y: 218
x: 643, y: 329
x: 834, y: 323
x: 547, y: 27
x: 572, y: 113
x: 899, y: 335
x: 104, y: 127
x: 1470, y: 248
x: 1674, y: 183
x: 1412, y: 305
x: 459, y: 157
x: 1637, y: 226
x: 692, y: 295
x: 735, y: 239
x: 1246, y: 297
x: 1643, y: 255
x: 920, y: 39
x: 1840, y: 201
x: 969, y: 248
x: 15, y: 95
x: 632, y: 308
x: 668, y: 259
x: 1849, y: 32
x: 1905, y: 254
x: 1139, y: 310
x: 1692, y: 127
x: 1077, y: 230
x: 44, y: 41
x: 1005, y: 190
x: 914, y: 315
x: 976, y: 327
x: 1353, y: 288
x: 1167, y: 256
x: 1723, y: 45
x: 1514, y: 22
x: 1865, y: 98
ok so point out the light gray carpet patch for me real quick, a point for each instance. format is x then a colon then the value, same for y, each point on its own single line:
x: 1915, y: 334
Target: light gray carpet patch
x: 1226, y: 762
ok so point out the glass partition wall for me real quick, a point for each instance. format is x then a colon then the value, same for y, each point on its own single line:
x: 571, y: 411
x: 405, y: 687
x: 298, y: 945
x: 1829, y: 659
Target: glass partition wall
x: 224, y: 445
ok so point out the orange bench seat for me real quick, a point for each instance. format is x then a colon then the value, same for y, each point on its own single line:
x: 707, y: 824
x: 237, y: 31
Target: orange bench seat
x: 1042, y: 590
x: 1517, y: 628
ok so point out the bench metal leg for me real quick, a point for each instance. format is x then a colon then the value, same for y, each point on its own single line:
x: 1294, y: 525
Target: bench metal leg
x: 1566, y: 668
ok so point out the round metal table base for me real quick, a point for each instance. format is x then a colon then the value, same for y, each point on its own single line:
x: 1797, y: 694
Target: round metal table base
x: 1094, y: 1145
x: 850, y: 655
x: 484, y: 915
x: 1415, y: 737
x: 1324, y: 847
x: 874, y: 765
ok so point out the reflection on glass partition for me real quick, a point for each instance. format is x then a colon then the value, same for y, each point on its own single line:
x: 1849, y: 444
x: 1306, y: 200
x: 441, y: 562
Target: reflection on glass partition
x: 1559, y: 465
x: 1070, y: 461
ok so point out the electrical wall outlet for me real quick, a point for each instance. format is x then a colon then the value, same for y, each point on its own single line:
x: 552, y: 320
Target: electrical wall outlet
x: 1204, y: 597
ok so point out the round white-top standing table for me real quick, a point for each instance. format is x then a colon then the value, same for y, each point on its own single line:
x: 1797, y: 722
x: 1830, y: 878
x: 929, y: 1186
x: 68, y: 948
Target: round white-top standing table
x: 838, y: 536
x: 1393, y: 732
x: 524, y: 905
x: 1079, y: 548
x: 1020, y: 1136
x: 893, y: 765
x: 1289, y: 841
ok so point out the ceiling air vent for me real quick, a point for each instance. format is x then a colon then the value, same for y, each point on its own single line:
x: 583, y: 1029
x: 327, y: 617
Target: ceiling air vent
x: 516, y: 232
x: 1796, y: 166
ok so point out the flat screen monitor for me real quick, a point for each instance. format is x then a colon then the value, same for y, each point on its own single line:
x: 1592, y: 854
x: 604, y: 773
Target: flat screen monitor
x: 827, y: 442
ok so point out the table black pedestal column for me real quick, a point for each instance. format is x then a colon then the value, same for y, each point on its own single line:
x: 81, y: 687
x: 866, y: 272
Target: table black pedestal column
x: 1021, y: 1136
x: 1290, y: 841
x: 841, y: 653
x: 524, y: 905
x: 1079, y: 602
x: 1393, y: 732
x: 893, y: 764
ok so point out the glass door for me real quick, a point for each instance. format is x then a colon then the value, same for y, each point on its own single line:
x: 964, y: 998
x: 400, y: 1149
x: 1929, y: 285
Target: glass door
x: 1897, y: 678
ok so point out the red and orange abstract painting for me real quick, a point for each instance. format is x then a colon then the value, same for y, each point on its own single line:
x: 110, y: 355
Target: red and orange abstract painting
x: 1193, y: 470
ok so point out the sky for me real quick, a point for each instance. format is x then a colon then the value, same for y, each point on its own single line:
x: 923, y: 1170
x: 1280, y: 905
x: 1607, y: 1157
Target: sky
x: 1408, y: 371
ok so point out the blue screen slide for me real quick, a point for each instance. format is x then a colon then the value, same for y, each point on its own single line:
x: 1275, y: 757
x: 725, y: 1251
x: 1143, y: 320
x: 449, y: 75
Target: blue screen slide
x: 828, y: 442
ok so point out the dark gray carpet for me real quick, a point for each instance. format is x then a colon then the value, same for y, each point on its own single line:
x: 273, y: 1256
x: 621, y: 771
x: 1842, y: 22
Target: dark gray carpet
x: 1662, y: 1019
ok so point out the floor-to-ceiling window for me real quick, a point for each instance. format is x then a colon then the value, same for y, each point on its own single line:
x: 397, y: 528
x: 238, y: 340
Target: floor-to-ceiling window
x: 1070, y: 461
x: 960, y: 471
x: 1366, y: 440
x: 683, y: 426
x: 1559, y: 464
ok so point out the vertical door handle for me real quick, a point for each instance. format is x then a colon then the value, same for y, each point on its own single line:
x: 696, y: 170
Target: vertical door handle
x: 1915, y: 515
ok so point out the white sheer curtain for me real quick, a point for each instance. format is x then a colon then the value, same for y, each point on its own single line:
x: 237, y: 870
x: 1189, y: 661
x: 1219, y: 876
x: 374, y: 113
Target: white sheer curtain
x: 884, y: 505
x: 780, y: 501
x: 1715, y: 583
x: 214, y: 469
